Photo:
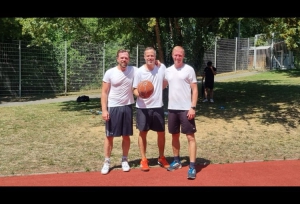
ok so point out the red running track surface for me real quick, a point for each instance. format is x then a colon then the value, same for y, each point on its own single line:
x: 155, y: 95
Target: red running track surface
x: 259, y: 173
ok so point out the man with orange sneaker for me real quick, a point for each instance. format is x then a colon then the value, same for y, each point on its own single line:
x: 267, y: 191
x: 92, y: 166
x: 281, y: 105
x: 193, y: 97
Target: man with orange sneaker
x: 150, y: 111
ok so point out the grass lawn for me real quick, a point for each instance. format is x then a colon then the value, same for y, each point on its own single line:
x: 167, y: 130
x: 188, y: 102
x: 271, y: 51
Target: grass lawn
x: 253, y: 118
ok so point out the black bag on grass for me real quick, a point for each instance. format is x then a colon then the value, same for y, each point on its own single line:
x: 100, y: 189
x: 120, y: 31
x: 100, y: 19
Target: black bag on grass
x: 83, y: 98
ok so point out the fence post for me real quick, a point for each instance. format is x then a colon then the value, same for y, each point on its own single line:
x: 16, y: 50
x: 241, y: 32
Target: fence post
x: 216, y: 40
x: 137, y: 55
x: 254, y: 58
x: 103, y: 65
x: 235, y: 56
x: 272, y: 50
x: 66, y: 68
x: 248, y: 53
x: 20, y: 69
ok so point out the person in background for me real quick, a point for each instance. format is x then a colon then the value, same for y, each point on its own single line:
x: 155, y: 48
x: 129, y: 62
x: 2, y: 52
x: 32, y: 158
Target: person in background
x: 182, y: 101
x: 150, y: 111
x: 209, y: 73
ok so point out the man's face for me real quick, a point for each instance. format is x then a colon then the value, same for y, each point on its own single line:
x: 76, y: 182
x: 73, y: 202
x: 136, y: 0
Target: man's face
x: 123, y: 59
x: 149, y: 57
x: 178, y: 56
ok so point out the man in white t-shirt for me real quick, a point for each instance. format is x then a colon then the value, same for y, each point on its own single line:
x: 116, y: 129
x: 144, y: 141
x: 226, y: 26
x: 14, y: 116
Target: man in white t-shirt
x: 117, y: 111
x: 150, y: 111
x: 182, y: 100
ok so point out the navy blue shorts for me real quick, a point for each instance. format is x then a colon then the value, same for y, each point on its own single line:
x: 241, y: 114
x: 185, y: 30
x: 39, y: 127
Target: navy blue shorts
x: 150, y: 119
x: 177, y: 119
x: 120, y: 122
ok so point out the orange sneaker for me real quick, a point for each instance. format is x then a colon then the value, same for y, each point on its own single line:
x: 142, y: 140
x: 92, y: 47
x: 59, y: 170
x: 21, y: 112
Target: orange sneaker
x: 163, y: 162
x: 144, y: 165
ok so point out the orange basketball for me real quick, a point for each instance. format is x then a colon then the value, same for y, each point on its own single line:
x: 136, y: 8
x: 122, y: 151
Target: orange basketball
x: 145, y: 88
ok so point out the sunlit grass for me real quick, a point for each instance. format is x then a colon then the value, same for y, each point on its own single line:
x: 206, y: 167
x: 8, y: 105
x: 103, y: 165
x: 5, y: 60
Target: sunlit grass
x: 260, y: 121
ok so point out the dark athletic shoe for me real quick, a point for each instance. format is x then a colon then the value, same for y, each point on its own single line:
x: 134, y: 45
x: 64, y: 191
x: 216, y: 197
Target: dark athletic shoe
x: 191, y: 173
x: 174, y: 165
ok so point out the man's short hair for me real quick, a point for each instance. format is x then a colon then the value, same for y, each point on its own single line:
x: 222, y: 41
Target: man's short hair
x: 209, y: 63
x: 122, y: 51
x: 150, y: 48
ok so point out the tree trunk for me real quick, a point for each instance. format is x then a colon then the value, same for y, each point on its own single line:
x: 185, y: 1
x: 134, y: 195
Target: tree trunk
x: 158, y: 41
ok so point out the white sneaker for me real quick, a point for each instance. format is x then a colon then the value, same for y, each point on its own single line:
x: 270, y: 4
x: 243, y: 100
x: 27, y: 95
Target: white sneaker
x: 205, y: 100
x: 105, y: 168
x: 211, y: 100
x: 125, y: 166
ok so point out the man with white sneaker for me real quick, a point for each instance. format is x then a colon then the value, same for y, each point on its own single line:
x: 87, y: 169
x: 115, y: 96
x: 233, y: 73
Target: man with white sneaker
x: 116, y: 103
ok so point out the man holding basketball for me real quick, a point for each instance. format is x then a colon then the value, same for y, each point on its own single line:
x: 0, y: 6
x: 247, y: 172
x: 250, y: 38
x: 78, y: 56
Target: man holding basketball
x: 183, y: 95
x: 150, y: 111
x: 116, y: 103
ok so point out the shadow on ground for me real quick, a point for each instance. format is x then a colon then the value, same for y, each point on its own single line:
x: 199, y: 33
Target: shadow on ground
x: 8, y: 99
x: 200, y: 163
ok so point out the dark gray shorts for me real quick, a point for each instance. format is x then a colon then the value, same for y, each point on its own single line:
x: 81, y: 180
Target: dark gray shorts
x: 150, y: 119
x: 177, y: 119
x: 209, y: 84
x: 120, y: 122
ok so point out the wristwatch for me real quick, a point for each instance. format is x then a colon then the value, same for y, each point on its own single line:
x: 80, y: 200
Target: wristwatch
x: 193, y: 107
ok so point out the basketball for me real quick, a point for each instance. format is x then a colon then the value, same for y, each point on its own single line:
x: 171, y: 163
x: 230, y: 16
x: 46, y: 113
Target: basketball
x: 145, y: 88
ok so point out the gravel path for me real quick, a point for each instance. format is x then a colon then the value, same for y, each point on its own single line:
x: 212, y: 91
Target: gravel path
x: 218, y: 77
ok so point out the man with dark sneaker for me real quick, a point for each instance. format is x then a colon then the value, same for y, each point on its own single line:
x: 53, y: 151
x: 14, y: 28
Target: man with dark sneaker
x: 183, y: 96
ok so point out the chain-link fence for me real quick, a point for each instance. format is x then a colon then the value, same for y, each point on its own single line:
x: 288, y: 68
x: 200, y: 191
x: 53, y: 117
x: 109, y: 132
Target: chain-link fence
x: 230, y: 55
x: 56, y: 69
x: 65, y: 67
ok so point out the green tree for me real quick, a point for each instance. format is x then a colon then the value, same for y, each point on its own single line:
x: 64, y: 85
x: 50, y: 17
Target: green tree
x: 196, y: 35
x: 10, y: 29
x: 286, y: 29
x: 92, y: 30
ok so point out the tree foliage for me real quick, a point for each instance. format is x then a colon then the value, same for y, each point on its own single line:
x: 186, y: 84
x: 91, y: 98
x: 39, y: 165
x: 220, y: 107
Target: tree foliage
x: 196, y: 35
x: 286, y: 29
x: 10, y: 29
x: 92, y: 30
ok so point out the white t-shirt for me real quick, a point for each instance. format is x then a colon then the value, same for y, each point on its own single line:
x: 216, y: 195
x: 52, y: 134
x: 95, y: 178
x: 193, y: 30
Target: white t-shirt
x: 156, y: 76
x: 179, y: 82
x: 120, y: 93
